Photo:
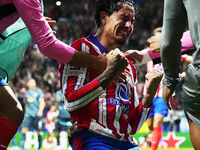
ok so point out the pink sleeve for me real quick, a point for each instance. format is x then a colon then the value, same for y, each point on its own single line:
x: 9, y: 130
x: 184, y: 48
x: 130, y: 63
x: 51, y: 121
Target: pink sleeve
x: 186, y: 45
x: 31, y: 13
x: 187, y: 42
x: 152, y: 55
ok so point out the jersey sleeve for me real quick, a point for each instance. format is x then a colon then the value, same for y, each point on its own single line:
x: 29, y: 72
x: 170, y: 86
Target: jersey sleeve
x: 79, y: 93
x: 41, y: 33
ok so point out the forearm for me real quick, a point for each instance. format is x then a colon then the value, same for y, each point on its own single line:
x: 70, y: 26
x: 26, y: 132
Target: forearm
x: 42, y: 105
x: 106, y: 78
x: 79, y: 98
x: 82, y: 59
x: 147, y: 101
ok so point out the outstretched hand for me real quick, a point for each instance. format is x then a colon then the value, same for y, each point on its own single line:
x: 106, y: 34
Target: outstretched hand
x: 154, y: 42
x: 135, y: 56
x: 51, y: 22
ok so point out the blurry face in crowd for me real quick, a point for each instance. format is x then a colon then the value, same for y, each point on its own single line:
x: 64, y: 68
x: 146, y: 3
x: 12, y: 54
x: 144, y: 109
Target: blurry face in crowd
x: 31, y: 84
x: 119, y: 25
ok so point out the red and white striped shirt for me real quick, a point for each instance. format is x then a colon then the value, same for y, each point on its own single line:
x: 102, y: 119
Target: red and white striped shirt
x: 115, y: 112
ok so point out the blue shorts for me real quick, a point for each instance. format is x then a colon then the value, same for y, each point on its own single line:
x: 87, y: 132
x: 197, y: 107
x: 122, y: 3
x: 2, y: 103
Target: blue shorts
x: 35, y: 122
x: 159, y: 107
x: 2, y: 82
x: 86, y: 140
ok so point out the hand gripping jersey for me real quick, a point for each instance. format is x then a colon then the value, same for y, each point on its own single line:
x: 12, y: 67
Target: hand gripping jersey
x: 115, y: 112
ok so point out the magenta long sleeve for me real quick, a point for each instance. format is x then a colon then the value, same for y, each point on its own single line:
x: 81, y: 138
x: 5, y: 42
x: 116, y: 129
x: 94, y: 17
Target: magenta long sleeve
x: 186, y: 42
x: 31, y: 13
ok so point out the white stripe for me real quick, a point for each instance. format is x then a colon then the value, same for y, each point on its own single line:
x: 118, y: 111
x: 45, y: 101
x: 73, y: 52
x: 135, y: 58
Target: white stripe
x: 95, y: 127
x: 143, y: 118
x: 118, y: 114
x: 102, y: 109
x: 83, y: 101
x: 96, y: 48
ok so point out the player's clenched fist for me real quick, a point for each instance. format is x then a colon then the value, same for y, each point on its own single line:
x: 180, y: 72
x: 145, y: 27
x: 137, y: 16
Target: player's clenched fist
x: 153, y: 77
x: 116, y: 62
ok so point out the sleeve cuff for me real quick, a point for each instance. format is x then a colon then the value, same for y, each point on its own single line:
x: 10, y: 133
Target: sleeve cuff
x: 171, y: 82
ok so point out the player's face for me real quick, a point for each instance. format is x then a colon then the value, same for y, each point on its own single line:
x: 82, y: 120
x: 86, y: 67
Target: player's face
x: 119, y: 25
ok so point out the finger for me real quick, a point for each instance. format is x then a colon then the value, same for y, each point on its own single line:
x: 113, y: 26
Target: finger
x: 149, y: 40
x: 169, y: 106
x: 52, y: 22
x: 171, y: 97
x: 47, y: 18
x: 114, y: 82
x: 54, y: 32
x: 121, y: 77
x: 167, y: 102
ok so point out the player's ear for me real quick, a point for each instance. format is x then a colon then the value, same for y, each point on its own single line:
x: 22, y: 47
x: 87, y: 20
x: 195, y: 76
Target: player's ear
x: 103, y: 17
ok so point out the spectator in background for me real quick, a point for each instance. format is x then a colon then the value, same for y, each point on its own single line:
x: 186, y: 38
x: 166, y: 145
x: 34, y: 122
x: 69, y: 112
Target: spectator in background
x: 33, y: 111
x: 63, y: 119
x: 50, y: 125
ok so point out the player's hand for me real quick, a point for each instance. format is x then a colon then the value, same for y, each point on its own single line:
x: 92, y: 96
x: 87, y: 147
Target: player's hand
x: 135, y: 56
x: 154, y: 42
x: 39, y: 113
x: 100, y: 66
x: 116, y: 62
x: 153, y: 78
x: 51, y: 22
x: 167, y: 95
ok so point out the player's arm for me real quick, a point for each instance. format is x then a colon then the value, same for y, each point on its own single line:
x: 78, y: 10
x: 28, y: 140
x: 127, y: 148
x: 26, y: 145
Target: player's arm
x: 153, y: 52
x: 78, y: 98
x: 42, y: 35
x: 41, y: 108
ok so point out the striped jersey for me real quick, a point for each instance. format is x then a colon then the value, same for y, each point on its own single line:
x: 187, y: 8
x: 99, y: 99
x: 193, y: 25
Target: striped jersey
x: 115, y: 112
x: 150, y: 65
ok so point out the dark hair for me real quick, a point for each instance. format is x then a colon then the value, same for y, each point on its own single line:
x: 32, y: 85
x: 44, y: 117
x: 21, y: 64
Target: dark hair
x: 109, y: 6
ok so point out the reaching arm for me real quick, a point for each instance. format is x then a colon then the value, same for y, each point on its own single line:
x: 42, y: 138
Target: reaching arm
x: 153, y: 52
x: 41, y: 33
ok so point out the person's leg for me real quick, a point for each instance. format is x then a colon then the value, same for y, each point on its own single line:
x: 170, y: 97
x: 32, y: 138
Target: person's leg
x: 58, y: 130
x: 160, y: 111
x: 157, y: 130
x: 39, y: 139
x: 25, y: 128
x: 23, y: 138
x: 150, y: 123
x: 37, y: 125
x: 11, y: 114
x: 194, y: 133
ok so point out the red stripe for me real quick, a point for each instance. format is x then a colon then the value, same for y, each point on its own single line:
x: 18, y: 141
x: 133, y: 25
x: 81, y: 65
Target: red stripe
x: 78, y: 143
